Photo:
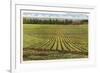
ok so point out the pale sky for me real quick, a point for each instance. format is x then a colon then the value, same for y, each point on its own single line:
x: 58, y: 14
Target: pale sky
x: 64, y: 15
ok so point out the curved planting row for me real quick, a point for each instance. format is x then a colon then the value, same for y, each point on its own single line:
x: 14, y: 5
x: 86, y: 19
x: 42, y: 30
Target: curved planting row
x: 60, y: 42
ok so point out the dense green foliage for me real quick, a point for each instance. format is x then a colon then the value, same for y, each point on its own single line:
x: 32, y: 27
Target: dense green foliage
x: 27, y: 20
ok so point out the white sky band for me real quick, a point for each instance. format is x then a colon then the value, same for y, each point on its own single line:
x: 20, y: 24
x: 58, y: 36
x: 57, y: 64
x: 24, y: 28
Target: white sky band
x: 64, y: 15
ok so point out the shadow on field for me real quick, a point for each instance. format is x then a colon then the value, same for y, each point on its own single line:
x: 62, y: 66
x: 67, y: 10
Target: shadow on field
x: 43, y: 54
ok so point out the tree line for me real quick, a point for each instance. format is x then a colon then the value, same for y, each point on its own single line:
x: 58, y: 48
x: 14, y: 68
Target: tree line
x: 27, y: 20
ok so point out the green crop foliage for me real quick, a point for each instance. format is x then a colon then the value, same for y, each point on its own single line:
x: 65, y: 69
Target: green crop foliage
x: 46, y: 42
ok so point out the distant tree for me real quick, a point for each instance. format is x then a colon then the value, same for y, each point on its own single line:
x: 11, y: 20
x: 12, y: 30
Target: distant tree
x: 27, y: 20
